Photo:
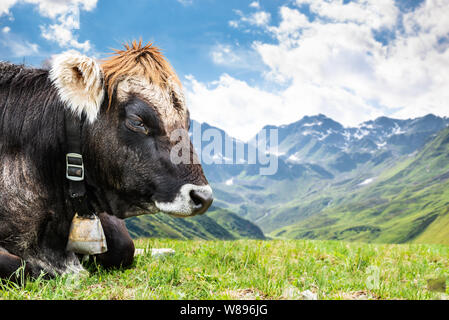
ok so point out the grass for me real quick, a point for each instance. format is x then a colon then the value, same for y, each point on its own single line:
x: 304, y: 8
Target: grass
x: 257, y: 269
x: 406, y: 203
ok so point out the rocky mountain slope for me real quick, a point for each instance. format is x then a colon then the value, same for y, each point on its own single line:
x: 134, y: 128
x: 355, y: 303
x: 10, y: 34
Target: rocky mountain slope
x: 383, y: 181
x: 321, y: 164
x: 407, y: 203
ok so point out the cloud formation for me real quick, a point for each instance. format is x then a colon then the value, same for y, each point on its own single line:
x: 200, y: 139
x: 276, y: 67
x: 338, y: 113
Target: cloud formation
x: 352, y: 62
x: 64, y: 19
x: 257, y: 18
x: 18, y: 46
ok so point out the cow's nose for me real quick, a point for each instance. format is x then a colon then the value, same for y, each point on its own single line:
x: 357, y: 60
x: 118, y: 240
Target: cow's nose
x: 202, y: 201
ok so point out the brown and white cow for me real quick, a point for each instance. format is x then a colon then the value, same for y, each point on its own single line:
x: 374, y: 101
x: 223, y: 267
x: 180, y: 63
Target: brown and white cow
x: 128, y: 107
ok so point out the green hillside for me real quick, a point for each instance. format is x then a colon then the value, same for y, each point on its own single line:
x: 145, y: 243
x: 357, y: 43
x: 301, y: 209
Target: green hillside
x: 384, y: 181
x: 215, y: 224
x: 407, y: 203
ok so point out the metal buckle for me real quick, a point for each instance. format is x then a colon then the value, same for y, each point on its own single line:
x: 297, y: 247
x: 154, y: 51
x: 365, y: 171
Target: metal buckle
x: 75, y: 167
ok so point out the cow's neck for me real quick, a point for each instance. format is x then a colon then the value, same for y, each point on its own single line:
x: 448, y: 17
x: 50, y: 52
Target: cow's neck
x: 32, y: 156
x: 33, y: 186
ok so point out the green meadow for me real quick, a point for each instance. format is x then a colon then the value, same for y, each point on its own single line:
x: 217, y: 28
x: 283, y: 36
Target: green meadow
x: 258, y: 269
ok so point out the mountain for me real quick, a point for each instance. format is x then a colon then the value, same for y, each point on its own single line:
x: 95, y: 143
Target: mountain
x: 323, y: 141
x: 385, y: 180
x: 321, y: 164
x: 217, y: 224
x: 314, y: 144
x: 408, y: 203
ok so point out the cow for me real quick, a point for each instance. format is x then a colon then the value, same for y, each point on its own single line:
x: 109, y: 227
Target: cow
x: 127, y: 108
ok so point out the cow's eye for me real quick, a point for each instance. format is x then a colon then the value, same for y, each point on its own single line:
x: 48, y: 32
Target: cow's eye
x: 136, y: 124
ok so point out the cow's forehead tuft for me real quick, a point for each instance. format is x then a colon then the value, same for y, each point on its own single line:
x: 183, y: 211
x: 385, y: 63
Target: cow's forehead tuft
x: 138, y: 61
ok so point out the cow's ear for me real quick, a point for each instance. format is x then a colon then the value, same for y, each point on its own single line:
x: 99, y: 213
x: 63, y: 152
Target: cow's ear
x: 79, y: 81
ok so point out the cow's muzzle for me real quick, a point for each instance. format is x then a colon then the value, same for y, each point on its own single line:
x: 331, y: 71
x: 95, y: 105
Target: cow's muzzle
x: 190, y: 200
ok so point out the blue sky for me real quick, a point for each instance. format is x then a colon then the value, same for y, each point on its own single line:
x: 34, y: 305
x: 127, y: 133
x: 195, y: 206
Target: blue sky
x: 186, y: 31
x: 245, y: 64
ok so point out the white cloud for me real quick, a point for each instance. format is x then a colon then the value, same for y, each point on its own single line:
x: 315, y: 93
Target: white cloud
x: 374, y: 13
x: 5, y: 5
x: 234, y: 23
x: 236, y: 57
x: 255, y: 4
x: 22, y: 48
x: 17, y: 46
x: 50, y: 8
x: 225, y: 55
x: 62, y: 31
x: 242, y: 110
x: 336, y: 65
x: 64, y: 16
x: 258, y: 18
x: 6, y: 29
x: 292, y: 21
x: 55, y: 8
x: 229, y: 102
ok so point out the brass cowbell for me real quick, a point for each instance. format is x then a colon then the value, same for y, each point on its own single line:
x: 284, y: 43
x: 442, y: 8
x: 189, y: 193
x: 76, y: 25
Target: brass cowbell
x: 86, y: 235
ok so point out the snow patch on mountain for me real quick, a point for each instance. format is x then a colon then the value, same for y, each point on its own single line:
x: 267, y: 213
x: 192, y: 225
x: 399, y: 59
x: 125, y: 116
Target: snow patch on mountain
x: 294, y: 159
x: 365, y: 182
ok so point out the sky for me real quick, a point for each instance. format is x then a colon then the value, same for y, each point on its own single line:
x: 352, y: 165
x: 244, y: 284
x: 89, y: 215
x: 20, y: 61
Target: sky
x: 247, y: 64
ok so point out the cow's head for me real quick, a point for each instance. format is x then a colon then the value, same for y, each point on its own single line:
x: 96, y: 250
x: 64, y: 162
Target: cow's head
x: 136, y: 132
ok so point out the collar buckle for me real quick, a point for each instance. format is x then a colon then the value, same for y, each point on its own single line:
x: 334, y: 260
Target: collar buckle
x: 74, y: 167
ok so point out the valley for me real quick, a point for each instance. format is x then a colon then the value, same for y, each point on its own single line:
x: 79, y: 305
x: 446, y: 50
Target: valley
x: 382, y: 181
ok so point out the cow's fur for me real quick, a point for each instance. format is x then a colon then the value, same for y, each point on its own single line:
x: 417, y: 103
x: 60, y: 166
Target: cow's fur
x: 32, y: 171
x: 128, y: 169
